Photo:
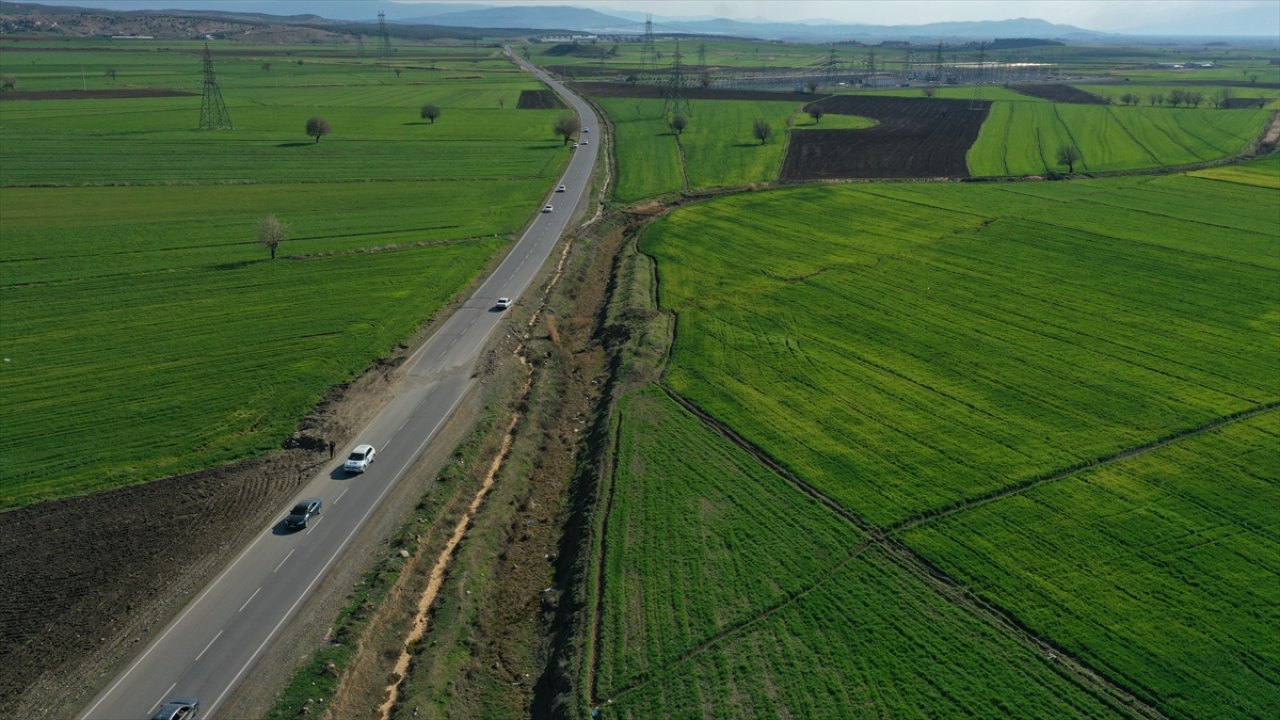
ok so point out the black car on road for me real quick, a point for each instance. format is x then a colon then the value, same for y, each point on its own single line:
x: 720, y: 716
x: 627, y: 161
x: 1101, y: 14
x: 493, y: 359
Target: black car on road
x: 302, y: 512
x: 179, y: 708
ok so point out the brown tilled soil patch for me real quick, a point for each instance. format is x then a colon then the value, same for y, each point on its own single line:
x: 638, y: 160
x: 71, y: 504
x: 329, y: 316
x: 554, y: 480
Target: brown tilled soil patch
x: 914, y: 138
x: 603, y: 89
x: 1061, y: 93
x: 538, y: 100
x: 93, y: 94
x: 88, y: 580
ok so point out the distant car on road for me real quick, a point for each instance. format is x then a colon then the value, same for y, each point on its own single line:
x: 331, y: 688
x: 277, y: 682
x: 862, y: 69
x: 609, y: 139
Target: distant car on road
x: 586, y: 130
x: 561, y: 188
x: 360, y: 459
x: 547, y: 209
x: 301, y: 513
x: 575, y: 144
x: 503, y: 303
x: 583, y: 141
x: 179, y: 708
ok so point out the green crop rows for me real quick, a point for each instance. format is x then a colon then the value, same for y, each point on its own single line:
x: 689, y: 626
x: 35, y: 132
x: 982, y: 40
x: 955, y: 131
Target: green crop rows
x: 145, y: 332
x: 1022, y: 138
x: 908, y: 348
x: 1163, y: 570
x: 730, y: 593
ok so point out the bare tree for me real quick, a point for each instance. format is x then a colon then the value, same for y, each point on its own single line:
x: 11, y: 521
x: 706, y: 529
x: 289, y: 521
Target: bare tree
x: 816, y: 112
x: 271, y: 232
x: 317, y: 127
x: 762, y: 131
x: 1253, y: 78
x: 430, y: 112
x: 1068, y: 155
x: 1156, y: 98
x: 704, y: 80
x: 111, y: 73
x: 266, y: 67
x: 1128, y: 98
x: 502, y: 101
x: 678, y: 123
x: 1177, y: 97
x: 1222, y: 98
x: 812, y: 86
x: 397, y: 70
x: 8, y: 82
x: 566, y: 126
x: 1193, y: 99
x: 928, y: 91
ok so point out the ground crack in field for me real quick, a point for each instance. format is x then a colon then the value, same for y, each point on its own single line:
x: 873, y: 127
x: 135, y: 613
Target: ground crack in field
x: 1069, y: 666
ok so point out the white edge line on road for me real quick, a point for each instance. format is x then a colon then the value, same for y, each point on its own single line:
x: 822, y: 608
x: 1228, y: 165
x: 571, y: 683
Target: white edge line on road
x: 286, y: 557
x: 159, y: 700
x: 206, y: 647
x: 347, y: 540
x: 251, y: 597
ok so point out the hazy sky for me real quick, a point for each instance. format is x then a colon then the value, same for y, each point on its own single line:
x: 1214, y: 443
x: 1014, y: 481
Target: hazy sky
x: 1105, y: 15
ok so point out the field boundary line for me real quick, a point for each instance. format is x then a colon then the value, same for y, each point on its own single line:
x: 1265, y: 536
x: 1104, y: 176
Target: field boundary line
x: 599, y: 555
x: 728, y: 631
x: 684, y: 164
x: 1070, y: 470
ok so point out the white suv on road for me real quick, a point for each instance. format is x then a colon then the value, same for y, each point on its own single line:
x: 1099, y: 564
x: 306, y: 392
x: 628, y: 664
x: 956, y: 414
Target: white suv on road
x: 359, y: 459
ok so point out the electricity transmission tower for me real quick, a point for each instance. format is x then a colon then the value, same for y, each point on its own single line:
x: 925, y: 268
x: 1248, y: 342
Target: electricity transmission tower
x: 384, y: 40
x: 832, y: 67
x: 360, y: 45
x: 976, y: 102
x: 648, y: 48
x: 674, y: 100
x: 213, y: 111
x: 937, y: 66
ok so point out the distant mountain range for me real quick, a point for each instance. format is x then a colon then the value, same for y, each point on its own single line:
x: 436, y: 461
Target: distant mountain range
x: 569, y: 18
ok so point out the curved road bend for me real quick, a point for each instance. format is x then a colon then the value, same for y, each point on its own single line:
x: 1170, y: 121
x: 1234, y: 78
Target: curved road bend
x: 210, y: 647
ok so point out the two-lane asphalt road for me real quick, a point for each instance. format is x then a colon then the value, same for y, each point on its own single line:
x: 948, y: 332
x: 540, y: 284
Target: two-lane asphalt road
x: 211, y: 646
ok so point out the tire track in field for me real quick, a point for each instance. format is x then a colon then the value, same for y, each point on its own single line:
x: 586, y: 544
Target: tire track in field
x: 1073, y: 669
x: 1070, y: 470
x: 1111, y: 113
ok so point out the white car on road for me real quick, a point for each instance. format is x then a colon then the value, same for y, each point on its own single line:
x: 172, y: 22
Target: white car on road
x: 360, y: 459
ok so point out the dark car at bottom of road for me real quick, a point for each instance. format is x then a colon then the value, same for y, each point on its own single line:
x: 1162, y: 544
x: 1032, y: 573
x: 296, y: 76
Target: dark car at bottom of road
x: 179, y: 708
x: 302, y: 512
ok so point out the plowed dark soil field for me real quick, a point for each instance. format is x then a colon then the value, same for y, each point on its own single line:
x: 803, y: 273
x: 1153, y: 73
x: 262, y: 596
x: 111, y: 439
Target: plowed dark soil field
x: 538, y: 100
x: 78, y: 572
x: 1061, y: 93
x: 914, y: 138
x: 601, y: 89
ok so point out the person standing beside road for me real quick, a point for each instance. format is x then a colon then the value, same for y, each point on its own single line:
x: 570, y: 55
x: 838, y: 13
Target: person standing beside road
x: 331, y: 449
